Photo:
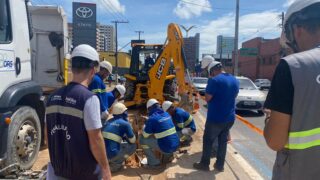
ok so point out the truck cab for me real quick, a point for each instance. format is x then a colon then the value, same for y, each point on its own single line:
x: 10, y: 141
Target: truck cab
x: 22, y: 106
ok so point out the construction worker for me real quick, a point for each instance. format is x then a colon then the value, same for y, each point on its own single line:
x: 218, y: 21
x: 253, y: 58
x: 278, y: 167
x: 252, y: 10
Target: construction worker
x: 98, y: 87
x: 205, y: 62
x: 73, y: 125
x: 158, y: 133
x: 115, y: 95
x: 182, y: 120
x: 221, y: 92
x: 115, y: 131
x: 292, y: 126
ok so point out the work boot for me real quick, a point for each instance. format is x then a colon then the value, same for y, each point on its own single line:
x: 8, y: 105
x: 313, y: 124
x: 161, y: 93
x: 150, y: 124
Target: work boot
x: 216, y: 167
x: 152, y: 167
x: 167, y: 159
x: 200, y: 166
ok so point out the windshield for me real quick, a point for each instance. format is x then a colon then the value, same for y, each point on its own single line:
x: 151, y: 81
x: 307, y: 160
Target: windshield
x: 247, y: 84
x: 200, y: 81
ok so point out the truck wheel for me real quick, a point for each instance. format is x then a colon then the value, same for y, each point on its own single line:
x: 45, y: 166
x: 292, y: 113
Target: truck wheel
x: 24, y: 138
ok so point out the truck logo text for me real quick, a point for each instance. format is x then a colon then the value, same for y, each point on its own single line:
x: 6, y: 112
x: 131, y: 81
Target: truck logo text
x: 161, y: 67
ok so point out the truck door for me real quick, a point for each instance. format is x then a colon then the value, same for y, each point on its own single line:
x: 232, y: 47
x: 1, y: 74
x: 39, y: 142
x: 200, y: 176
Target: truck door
x: 15, y: 64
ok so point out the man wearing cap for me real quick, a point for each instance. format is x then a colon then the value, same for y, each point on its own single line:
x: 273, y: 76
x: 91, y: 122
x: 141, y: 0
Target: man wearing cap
x: 292, y: 126
x: 182, y: 120
x: 98, y: 87
x: 221, y: 92
x: 73, y: 125
x: 158, y: 133
x: 119, y: 137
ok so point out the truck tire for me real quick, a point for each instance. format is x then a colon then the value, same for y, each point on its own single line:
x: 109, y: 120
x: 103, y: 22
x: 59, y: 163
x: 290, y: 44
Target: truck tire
x: 24, y: 138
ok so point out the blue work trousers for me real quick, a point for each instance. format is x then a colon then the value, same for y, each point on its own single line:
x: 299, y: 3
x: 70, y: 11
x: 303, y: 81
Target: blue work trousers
x: 126, y: 150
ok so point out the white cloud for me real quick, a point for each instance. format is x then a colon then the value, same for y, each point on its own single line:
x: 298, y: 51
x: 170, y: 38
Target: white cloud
x: 114, y: 6
x: 188, y: 9
x: 263, y: 24
x: 288, y: 3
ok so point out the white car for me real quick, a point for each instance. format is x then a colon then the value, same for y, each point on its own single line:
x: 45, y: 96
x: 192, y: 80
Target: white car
x: 262, y: 83
x: 249, y: 97
x: 200, y: 83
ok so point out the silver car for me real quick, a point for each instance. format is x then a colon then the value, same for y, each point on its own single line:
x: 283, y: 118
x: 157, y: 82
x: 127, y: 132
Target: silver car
x: 200, y: 83
x: 249, y: 97
x: 262, y: 83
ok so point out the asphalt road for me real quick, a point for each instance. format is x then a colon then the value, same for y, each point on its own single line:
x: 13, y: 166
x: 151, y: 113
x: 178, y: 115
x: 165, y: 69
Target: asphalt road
x: 249, y: 143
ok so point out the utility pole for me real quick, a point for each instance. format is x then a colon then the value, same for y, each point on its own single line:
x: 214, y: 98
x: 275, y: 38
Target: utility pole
x: 116, y: 53
x: 236, y: 39
x: 282, y: 20
x: 139, y: 32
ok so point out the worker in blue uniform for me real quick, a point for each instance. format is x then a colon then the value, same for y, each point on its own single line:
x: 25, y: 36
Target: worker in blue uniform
x: 119, y: 137
x: 182, y: 120
x: 159, y: 133
x: 98, y: 87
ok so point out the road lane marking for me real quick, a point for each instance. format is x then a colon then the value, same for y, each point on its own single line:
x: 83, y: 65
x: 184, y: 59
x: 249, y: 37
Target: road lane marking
x: 252, y: 173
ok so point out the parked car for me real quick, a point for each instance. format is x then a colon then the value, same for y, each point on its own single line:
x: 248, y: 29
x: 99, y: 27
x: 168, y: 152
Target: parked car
x: 200, y: 83
x: 263, y: 83
x: 249, y: 97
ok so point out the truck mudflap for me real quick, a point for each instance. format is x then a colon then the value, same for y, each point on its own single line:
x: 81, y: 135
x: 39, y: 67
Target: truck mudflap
x: 4, y: 126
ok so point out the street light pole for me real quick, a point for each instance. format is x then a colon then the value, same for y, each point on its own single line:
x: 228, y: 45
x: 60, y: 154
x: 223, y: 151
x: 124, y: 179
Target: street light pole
x: 236, y: 39
x: 116, y: 53
x: 139, y: 32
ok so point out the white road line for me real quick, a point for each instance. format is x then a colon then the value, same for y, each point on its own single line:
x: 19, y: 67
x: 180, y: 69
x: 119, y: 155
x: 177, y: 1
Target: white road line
x: 252, y: 173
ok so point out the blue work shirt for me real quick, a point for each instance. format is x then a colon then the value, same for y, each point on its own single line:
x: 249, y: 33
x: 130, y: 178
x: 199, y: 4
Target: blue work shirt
x: 224, y: 89
x: 161, y: 126
x: 183, y: 119
x: 98, y: 87
x: 110, y: 99
x: 114, y: 131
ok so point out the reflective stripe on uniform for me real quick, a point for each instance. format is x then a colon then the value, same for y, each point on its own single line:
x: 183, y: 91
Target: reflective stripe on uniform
x: 65, y: 110
x: 188, y: 121
x: 180, y: 125
x: 111, y: 136
x: 145, y: 134
x: 145, y: 146
x: 98, y: 91
x: 165, y: 133
x: 304, y: 139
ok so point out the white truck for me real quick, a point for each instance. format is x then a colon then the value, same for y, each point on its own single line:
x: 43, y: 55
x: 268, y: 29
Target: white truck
x: 33, y: 44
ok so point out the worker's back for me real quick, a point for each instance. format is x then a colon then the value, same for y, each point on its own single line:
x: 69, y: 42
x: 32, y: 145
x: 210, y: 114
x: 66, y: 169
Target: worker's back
x: 183, y: 120
x: 161, y: 125
x: 113, y: 132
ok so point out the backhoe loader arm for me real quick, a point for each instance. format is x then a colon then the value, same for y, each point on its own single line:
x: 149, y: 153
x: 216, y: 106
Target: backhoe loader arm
x: 172, y: 50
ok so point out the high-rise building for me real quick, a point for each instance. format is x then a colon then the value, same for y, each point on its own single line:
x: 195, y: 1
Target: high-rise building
x: 191, y: 49
x: 225, y: 45
x: 106, y: 38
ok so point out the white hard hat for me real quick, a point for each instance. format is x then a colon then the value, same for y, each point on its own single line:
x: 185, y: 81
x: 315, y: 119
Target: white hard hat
x: 152, y: 102
x: 85, y: 51
x: 293, y: 13
x: 119, y: 108
x: 166, y: 105
x: 106, y: 65
x: 206, y: 61
x: 213, y: 64
x: 121, y: 89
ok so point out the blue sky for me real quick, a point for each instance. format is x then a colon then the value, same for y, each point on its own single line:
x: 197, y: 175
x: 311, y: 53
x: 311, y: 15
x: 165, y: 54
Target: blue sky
x: 211, y: 17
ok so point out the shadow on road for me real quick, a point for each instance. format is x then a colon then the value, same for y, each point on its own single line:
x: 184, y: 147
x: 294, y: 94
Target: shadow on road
x: 245, y: 113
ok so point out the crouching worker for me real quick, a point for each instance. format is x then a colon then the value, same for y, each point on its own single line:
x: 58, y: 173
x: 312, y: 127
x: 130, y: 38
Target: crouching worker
x: 159, y: 134
x: 183, y: 122
x: 114, y: 132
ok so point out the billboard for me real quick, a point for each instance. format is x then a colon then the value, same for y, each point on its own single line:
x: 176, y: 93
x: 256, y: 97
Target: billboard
x: 84, y: 24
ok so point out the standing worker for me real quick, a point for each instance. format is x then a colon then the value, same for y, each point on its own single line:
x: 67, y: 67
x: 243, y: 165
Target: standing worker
x: 292, y: 128
x: 115, y: 131
x: 98, y: 87
x: 159, y: 133
x: 73, y: 125
x: 182, y: 120
x: 221, y: 92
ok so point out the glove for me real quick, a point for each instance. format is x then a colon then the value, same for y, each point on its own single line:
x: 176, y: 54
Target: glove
x: 186, y: 131
x: 105, y: 115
